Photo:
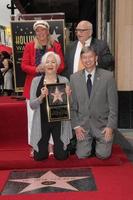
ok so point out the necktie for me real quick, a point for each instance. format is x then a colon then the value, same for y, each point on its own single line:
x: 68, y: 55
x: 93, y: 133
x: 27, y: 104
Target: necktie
x: 89, y: 84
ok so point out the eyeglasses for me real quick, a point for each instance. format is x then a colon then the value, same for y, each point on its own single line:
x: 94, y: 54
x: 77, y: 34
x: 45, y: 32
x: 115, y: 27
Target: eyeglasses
x: 81, y: 30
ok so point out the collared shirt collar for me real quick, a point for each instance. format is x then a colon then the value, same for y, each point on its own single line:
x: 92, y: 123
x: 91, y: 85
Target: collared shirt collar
x: 87, y: 42
x: 92, y: 74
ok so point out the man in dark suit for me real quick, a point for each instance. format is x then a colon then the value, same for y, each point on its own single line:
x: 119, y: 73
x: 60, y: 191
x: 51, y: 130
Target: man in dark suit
x: 93, y: 107
x: 84, y: 31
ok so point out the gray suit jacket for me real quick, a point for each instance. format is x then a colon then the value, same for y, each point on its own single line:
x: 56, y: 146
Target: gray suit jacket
x: 101, y: 109
x: 105, y: 58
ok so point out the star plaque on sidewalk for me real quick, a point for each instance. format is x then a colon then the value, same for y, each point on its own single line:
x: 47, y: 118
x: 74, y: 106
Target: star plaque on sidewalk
x: 46, y: 181
x: 57, y: 102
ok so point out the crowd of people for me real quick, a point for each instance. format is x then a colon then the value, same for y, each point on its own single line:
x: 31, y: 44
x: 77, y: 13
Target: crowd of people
x: 86, y: 69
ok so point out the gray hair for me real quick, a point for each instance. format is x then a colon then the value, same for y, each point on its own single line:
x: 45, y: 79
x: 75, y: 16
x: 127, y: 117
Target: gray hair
x: 56, y: 56
x: 88, y: 49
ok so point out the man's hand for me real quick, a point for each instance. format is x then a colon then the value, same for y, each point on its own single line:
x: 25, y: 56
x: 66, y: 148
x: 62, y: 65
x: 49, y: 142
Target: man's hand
x: 108, y: 134
x: 80, y: 133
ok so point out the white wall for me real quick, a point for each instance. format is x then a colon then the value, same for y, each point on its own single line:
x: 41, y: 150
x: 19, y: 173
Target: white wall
x: 5, y: 13
x: 124, y: 44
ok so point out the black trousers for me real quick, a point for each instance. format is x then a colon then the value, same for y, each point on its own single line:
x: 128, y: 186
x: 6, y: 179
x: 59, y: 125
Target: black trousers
x: 53, y: 128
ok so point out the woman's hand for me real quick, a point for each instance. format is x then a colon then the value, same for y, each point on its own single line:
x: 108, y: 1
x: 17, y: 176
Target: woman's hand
x: 44, y: 91
x: 68, y: 90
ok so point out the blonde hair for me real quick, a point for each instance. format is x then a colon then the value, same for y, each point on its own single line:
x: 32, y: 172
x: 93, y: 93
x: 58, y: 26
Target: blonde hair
x: 50, y: 42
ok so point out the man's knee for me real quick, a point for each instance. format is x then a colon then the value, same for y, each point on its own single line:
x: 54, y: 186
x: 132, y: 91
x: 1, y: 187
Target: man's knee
x: 103, y: 155
x: 82, y: 155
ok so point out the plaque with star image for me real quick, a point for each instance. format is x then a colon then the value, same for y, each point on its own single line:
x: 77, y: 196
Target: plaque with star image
x: 49, y: 181
x: 57, y: 102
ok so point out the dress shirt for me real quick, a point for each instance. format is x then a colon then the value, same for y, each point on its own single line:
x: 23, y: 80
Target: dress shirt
x: 92, y: 75
x: 77, y: 53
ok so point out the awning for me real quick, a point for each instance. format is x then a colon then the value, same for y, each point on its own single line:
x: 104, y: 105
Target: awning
x: 5, y: 48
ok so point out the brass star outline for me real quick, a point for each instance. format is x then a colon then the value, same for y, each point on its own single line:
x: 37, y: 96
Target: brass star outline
x: 48, y: 177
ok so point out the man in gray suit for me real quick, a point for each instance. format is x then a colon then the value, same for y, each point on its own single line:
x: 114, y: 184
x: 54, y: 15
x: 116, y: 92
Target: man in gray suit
x: 84, y: 31
x: 93, y: 112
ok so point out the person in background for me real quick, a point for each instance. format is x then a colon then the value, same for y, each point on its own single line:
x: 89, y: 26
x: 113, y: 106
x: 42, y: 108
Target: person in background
x: 1, y: 76
x: 84, y: 31
x: 94, y: 107
x: 7, y: 73
x: 31, y: 60
x: 42, y: 129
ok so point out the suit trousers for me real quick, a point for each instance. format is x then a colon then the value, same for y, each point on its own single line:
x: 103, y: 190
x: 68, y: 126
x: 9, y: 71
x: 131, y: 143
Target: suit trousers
x: 102, y: 148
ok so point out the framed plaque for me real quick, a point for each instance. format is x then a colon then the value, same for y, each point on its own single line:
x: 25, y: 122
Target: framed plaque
x: 58, y: 107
